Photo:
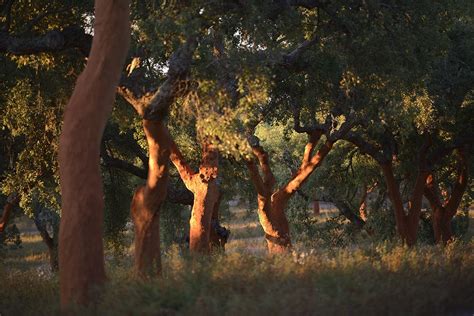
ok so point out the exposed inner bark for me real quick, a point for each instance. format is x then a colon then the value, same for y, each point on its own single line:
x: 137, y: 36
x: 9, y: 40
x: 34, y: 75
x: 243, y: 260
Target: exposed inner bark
x: 203, y: 185
x: 147, y: 200
x: 406, y: 222
x: 272, y: 203
x: 152, y: 105
x: 12, y: 200
x: 81, y: 259
x: 444, y: 211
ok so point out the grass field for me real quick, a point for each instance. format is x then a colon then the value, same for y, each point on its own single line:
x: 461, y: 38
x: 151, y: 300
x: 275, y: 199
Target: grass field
x: 368, y: 279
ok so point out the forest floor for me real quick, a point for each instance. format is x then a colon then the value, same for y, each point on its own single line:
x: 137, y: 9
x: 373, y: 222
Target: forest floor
x: 361, y: 279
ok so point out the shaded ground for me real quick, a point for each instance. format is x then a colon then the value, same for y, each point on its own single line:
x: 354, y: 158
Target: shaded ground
x: 360, y: 280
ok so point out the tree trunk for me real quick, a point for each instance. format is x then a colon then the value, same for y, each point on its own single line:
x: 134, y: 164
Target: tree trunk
x: 50, y: 241
x: 272, y: 204
x: 219, y: 234
x: 443, y: 212
x: 12, y: 200
x: 205, y: 197
x: 206, y: 194
x: 81, y: 255
x: 407, y: 224
x: 277, y: 236
x: 147, y: 200
x: 397, y: 203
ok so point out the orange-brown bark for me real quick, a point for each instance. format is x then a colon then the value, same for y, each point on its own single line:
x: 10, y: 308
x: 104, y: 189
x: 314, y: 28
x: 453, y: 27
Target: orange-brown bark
x: 147, y: 200
x: 407, y: 224
x: 444, y: 211
x: 81, y: 259
x: 272, y: 204
x: 204, y: 186
x: 7, y: 210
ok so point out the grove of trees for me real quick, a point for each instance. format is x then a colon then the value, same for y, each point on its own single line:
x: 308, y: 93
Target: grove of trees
x: 117, y: 110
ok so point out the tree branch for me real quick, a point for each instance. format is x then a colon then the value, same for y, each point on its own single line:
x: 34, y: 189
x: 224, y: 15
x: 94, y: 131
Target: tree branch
x: 179, y: 65
x: 185, y: 171
x: 50, y: 42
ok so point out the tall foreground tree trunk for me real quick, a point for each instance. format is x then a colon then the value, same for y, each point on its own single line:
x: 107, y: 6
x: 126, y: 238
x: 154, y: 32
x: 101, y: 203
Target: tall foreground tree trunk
x: 203, y: 185
x: 81, y: 256
x: 272, y: 204
x: 443, y: 212
x: 147, y: 200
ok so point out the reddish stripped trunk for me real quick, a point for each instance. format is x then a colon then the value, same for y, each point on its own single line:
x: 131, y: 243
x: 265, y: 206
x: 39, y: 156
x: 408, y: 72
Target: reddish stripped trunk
x: 147, y: 200
x: 206, y: 194
x: 443, y: 212
x: 272, y: 204
x: 12, y: 200
x: 81, y: 255
x: 407, y: 224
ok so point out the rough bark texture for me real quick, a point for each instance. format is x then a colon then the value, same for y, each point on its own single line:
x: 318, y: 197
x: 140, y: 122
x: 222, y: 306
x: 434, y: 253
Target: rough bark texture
x: 204, y: 186
x: 444, y: 211
x: 81, y: 259
x: 272, y: 204
x: 147, y: 200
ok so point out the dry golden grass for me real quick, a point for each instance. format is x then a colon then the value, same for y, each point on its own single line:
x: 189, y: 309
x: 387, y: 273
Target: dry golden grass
x: 369, y: 279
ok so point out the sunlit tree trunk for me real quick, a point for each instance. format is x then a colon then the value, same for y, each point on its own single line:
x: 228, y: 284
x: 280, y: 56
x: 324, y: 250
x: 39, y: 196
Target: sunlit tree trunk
x: 203, y: 185
x: 81, y: 256
x: 272, y: 204
x: 147, y: 200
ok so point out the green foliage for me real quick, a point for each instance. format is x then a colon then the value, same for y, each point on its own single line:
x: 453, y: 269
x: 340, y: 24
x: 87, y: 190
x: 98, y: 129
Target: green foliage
x: 9, y: 239
x: 381, y: 224
x: 173, y: 224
